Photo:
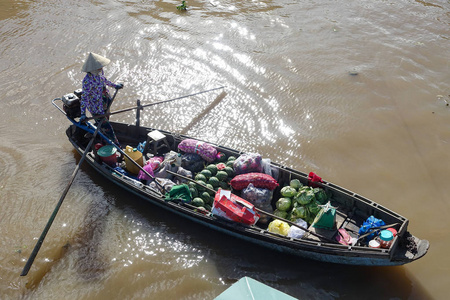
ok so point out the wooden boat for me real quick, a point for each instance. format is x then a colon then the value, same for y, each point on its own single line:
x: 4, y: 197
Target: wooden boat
x: 317, y: 244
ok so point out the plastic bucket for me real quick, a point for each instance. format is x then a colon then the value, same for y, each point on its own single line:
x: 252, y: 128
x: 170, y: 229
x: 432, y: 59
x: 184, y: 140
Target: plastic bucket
x: 108, y: 155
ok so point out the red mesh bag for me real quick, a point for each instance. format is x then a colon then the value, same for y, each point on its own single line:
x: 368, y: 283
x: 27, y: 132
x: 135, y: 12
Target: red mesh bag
x: 259, y: 180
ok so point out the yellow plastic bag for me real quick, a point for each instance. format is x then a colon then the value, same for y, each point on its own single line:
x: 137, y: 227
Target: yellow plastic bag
x: 280, y: 227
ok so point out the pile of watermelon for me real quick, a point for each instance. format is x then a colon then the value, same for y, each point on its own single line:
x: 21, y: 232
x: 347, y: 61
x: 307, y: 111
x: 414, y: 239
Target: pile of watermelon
x: 299, y: 201
x: 214, y: 176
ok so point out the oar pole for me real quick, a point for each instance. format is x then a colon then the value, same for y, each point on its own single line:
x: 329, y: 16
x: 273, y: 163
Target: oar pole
x: 155, y: 103
x: 38, y: 245
x: 40, y: 241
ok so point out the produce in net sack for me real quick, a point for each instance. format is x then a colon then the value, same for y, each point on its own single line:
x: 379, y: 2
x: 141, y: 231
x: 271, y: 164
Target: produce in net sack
x: 248, y: 163
x: 256, y: 195
x: 192, y: 162
x: 259, y: 180
x: 280, y: 227
x: 205, y: 150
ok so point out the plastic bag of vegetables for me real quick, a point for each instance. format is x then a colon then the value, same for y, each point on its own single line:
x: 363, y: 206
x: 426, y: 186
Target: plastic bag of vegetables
x: 248, y: 163
x: 280, y: 227
x: 295, y: 232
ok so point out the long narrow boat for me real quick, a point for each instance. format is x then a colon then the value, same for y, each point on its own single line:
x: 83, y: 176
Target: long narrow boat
x: 352, y: 209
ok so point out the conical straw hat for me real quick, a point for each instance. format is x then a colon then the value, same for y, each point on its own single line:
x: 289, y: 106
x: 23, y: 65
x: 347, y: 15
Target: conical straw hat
x: 94, y: 62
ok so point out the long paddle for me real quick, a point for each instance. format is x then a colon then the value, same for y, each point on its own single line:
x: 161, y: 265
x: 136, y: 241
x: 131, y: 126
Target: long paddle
x: 260, y: 210
x: 55, y: 211
x: 40, y: 241
x: 155, y: 103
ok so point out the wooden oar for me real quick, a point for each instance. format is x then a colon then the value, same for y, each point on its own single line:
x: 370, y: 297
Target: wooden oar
x: 155, y: 103
x: 259, y: 210
x: 55, y: 211
x: 38, y: 245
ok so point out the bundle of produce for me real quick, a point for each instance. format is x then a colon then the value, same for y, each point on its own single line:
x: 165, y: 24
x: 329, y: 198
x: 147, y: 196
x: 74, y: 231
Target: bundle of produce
x: 192, y: 162
x: 205, y: 150
x: 213, y: 176
x: 300, y: 202
x: 248, y: 163
x: 259, y: 197
x: 259, y: 180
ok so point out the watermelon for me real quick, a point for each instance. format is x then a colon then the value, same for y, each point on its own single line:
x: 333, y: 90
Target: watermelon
x: 229, y: 163
x: 229, y: 171
x: 222, y: 175
x: 221, y: 157
x: 224, y: 185
x: 210, y: 189
x: 214, y: 181
x: 192, y: 184
x: 221, y: 166
x: 212, y: 168
x: 205, y: 197
x: 201, y: 177
x: 198, y: 202
x: 194, y: 192
x: 231, y: 158
x: 207, y: 173
x: 201, y: 185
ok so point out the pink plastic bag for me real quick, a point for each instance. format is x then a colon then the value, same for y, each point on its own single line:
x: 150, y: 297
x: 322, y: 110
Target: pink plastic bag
x: 205, y: 150
x: 143, y: 176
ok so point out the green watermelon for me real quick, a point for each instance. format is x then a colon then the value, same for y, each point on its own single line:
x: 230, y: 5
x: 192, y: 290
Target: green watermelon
x: 223, y: 185
x: 210, y: 189
x: 212, y: 168
x: 194, y: 192
x: 192, y: 184
x: 230, y: 171
x: 205, y: 197
x: 214, y: 181
x: 222, y: 175
x: 201, y: 185
x: 221, y: 157
x: 201, y: 177
x: 207, y: 173
x: 231, y: 158
x: 198, y: 202
x: 230, y: 163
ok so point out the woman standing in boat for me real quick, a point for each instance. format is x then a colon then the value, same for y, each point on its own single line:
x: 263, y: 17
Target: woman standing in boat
x: 95, y: 95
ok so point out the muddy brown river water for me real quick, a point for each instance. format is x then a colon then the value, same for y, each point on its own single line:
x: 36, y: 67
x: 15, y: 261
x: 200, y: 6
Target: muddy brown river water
x: 356, y: 91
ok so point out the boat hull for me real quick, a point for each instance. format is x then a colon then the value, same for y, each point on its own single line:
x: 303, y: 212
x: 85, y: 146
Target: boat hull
x: 399, y: 253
